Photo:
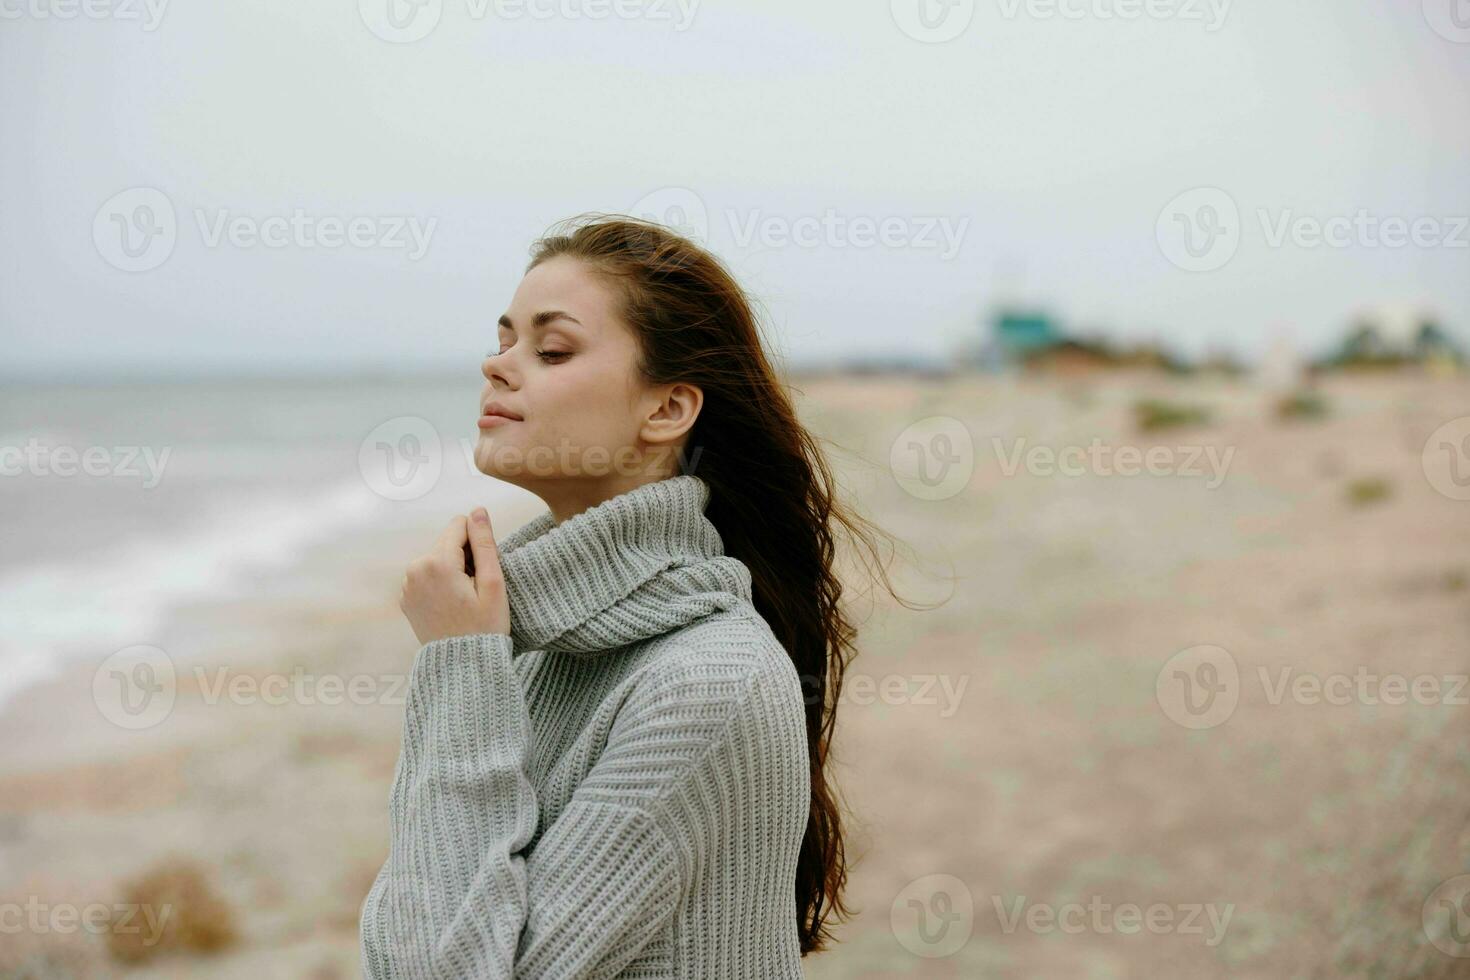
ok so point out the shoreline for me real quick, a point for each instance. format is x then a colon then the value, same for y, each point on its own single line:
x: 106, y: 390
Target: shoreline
x: 1048, y: 765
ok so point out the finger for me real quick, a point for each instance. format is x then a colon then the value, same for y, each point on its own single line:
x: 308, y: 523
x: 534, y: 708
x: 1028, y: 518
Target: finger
x: 451, y: 541
x: 483, y: 547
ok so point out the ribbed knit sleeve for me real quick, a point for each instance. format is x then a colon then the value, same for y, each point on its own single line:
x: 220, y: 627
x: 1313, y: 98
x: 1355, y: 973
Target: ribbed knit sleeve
x: 697, y: 748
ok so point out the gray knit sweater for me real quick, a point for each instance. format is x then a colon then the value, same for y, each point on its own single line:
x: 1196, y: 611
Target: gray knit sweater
x: 617, y: 788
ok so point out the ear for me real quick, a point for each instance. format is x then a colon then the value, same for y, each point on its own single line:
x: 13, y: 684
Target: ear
x: 673, y: 415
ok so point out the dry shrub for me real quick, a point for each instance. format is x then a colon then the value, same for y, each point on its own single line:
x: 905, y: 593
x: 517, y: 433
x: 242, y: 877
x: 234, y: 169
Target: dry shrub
x: 1368, y: 490
x: 1153, y: 414
x: 174, y: 908
x: 1304, y: 405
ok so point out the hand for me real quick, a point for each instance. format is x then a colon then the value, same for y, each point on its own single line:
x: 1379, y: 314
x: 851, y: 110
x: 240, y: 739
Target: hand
x: 441, y: 598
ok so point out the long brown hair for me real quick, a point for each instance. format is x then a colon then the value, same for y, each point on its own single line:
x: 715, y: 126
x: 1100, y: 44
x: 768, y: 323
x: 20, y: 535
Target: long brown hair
x: 772, y: 493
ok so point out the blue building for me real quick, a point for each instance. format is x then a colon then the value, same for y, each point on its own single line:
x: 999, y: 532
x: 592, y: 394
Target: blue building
x: 1016, y: 335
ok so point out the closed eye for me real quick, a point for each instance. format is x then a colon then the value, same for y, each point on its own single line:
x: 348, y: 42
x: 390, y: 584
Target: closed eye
x: 550, y: 356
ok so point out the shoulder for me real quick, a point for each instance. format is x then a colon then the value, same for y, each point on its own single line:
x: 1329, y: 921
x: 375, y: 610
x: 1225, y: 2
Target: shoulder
x: 730, y: 662
x: 717, y: 695
x: 714, y: 720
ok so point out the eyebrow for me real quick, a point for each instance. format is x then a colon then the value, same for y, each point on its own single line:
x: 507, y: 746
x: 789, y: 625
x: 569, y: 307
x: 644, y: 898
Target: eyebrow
x: 541, y: 319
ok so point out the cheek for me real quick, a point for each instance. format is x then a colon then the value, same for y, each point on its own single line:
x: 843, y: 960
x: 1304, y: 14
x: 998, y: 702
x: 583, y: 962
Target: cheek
x: 589, y: 422
x: 581, y: 405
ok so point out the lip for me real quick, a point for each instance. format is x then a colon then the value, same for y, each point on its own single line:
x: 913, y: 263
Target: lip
x: 493, y: 413
x: 496, y: 408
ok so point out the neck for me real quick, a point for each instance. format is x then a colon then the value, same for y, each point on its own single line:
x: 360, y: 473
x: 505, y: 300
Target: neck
x: 567, y: 498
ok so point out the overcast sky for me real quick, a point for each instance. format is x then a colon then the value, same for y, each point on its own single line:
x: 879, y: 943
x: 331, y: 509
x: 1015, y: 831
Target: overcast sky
x: 877, y: 174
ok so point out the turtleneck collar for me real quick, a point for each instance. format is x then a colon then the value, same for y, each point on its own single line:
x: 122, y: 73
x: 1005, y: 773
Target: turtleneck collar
x: 635, y: 566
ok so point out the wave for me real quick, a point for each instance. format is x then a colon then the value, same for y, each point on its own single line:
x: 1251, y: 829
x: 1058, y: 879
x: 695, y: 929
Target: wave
x: 84, y: 607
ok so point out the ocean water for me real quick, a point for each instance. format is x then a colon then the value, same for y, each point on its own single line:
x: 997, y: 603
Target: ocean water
x: 204, y: 488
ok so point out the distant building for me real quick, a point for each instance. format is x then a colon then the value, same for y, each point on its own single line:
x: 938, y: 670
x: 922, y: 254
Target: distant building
x: 1015, y: 335
x: 1281, y: 368
x: 1020, y: 333
x: 1068, y: 357
x: 1030, y: 339
x: 1394, y: 337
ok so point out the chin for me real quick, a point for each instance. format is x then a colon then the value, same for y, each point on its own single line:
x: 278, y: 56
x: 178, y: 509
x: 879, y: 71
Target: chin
x: 484, y: 456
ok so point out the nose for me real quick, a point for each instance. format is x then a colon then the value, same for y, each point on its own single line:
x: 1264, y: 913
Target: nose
x: 493, y: 368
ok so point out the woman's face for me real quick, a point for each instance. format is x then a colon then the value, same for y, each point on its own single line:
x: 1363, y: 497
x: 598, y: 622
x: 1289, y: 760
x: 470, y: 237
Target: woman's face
x: 565, y: 363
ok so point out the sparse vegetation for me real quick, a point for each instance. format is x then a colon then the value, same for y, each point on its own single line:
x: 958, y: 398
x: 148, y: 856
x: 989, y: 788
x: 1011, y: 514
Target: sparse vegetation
x: 1304, y: 405
x: 177, y: 909
x: 1368, y: 490
x: 1153, y: 414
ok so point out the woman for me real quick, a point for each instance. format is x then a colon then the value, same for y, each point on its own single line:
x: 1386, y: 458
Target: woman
x: 616, y: 731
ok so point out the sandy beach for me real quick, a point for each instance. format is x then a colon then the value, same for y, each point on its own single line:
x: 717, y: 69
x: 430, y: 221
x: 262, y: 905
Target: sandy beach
x: 1015, y: 761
